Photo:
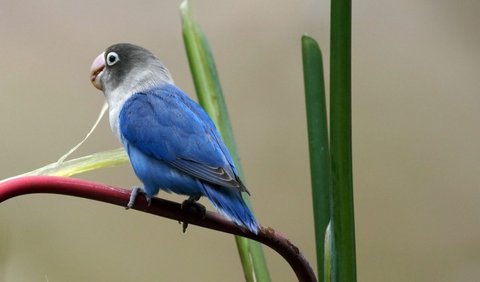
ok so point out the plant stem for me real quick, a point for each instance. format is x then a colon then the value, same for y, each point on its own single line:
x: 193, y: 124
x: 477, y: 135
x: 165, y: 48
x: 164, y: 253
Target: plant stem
x: 160, y: 207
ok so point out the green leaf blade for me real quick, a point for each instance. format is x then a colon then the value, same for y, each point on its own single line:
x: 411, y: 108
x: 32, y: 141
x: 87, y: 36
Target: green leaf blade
x: 210, y: 96
x: 341, y: 140
x: 317, y: 124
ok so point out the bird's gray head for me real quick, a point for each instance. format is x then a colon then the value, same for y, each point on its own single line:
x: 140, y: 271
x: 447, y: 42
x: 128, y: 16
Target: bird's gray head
x: 129, y: 67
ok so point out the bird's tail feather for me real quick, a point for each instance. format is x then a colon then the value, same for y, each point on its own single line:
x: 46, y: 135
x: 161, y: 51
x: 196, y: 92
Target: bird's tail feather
x: 229, y: 202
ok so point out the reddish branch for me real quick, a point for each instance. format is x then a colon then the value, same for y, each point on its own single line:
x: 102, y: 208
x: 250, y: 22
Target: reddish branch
x: 160, y: 207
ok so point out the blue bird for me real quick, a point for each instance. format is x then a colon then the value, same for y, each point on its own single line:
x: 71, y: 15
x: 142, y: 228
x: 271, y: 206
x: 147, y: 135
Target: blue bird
x: 171, y: 142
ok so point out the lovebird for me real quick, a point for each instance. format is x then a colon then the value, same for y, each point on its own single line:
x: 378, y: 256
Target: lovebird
x: 171, y: 142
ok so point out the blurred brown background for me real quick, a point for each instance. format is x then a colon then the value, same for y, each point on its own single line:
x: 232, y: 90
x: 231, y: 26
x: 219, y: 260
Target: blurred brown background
x: 415, y: 118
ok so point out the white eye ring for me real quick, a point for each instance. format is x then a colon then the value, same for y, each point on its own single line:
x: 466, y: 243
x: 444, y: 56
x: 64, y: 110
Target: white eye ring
x: 112, y: 58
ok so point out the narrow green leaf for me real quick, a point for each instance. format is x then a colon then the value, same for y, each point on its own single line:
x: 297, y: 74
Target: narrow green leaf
x: 318, y: 142
x: 211, y: 98
x: 341, y: 139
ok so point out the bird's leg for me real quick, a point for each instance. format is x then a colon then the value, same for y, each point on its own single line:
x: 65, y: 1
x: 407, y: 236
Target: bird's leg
x: 191, y: 202
x: 133, y: 196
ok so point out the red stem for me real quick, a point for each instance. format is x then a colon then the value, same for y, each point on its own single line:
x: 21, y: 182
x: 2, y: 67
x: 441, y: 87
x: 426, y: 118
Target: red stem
x: 108, y: 194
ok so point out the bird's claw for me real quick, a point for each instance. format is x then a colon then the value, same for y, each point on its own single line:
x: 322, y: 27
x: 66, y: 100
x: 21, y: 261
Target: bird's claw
x: 184, y: 226
x: 193, y: 204
x: 133, y: 196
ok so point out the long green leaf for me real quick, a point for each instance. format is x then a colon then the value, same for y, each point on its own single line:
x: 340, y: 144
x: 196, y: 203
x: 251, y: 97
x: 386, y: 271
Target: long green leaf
x: 341, y: 139
x: 318, y: 143
x: 211, y: 98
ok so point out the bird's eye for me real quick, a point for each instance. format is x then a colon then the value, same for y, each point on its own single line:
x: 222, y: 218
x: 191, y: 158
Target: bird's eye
x: 112, y: 58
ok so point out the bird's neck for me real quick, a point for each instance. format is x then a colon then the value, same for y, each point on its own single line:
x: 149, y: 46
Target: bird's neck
x: 116, y: 99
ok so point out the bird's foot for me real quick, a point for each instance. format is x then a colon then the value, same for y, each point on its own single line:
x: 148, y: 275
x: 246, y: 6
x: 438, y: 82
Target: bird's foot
x: 191, y: 203
x: 134, y: 194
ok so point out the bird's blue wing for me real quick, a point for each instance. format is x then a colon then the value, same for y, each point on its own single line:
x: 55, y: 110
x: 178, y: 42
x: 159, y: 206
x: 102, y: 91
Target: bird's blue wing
x: 166, y: 124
